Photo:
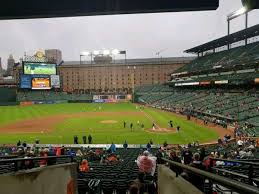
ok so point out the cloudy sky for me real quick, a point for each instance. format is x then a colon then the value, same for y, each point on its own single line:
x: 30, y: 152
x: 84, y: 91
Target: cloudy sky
x: 142, y: 35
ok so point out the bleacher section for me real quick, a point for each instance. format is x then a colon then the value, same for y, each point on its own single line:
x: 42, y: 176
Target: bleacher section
x: 114, y: 177
x: 237, y: 56
x: 227, y: 106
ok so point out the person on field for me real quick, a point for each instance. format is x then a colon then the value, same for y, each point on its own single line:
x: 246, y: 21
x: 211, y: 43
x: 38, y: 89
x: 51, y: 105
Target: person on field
x: 75, y: 139
x: 178, y: 128
x: 124, y: 124
x: 131, y: 126
x: 142, y: 126
x: 90, y: 139
x: 84, y: 139
x: 153, y: 126
x: 171, y: 123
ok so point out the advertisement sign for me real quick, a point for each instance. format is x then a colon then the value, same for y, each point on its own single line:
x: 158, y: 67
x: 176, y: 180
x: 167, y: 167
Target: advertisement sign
x: 221, y: 82
x: 39, y: 83
x: 25, y: 81
x: 205, y: 83
x: 55, y: 81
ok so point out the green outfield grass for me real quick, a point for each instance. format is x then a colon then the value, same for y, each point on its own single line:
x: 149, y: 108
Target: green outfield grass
x: 90, y: 123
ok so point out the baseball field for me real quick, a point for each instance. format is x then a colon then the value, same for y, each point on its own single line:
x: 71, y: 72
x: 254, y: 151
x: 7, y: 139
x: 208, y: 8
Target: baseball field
x: 58, y: 123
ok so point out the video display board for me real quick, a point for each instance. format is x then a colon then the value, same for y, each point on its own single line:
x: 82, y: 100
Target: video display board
x: 32, y: 68
x: 40, y: 83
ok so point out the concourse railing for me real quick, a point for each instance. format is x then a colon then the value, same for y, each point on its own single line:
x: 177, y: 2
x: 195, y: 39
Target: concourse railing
x: 252, y: 167
x: 15, y: 164
x: 234, y: 185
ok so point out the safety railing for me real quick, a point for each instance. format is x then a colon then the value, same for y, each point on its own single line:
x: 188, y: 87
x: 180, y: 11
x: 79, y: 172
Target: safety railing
x: 216, y: 179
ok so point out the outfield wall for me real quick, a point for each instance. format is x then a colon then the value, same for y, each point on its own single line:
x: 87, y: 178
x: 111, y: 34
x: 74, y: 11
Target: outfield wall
x: 58, y: 179
x: 8, y: 97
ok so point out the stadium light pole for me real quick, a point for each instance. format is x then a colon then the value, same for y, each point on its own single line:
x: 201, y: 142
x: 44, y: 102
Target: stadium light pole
x: 158, y: 54
x: 243, y: 10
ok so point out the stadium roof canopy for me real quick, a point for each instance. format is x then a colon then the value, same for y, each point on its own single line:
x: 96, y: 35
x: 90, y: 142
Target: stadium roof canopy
x: 223, y: 41
x: 21, y: 9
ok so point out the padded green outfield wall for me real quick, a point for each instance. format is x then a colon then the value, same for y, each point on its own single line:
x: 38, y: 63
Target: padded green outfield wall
x: 7, y: 95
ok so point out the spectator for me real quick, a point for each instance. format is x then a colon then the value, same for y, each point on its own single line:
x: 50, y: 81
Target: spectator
x: 194, y: 179
x: 37, y: 141
x: 134, y: 189
x: 148, y: 147
x: 146, y: 163
x: 125, y: 145
x: 140, y: 183
x: 113, y: 148
x: 29, y: 164
x: 240, y: 143
x: 173, y: 156
x: 58, y: 151
x: 24, y: 144
x: 187, y: 155
x: 43, y: 153
x: 112, y: 158
x: 51, y: 152
x: 84, y: 167
x: 165, y: 144
x: 90, y: 139
x: 197, y: 163
x: 79, y: 153
x: 202, y: 153
x: 159, y: 156
x: 19, y: 143
x: 98, y: 152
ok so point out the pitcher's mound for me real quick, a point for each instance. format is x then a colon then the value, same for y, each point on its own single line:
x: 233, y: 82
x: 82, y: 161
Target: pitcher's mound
x: 162, y: 130
x: 108, y: 122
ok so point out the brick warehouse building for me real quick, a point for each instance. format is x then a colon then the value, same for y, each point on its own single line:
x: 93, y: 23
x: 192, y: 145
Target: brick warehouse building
x: 117, y: 76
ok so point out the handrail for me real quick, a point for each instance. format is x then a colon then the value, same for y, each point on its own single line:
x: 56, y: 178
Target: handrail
x: 230, y: 172
x: 236, y: 161
x: 35, y: 158
x: 232, y: 184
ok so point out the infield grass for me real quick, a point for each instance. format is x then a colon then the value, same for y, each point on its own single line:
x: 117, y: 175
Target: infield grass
x: 96, y: 125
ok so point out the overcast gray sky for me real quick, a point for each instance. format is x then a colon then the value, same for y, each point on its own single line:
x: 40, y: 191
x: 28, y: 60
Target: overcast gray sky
x: 142, y: 35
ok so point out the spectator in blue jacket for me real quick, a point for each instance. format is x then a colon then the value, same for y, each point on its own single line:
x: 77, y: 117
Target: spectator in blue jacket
x: 113, y: 148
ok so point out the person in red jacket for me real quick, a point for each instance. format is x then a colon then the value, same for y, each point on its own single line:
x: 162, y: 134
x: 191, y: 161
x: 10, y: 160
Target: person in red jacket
x: 84, y: 167
x: 43, y: 153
